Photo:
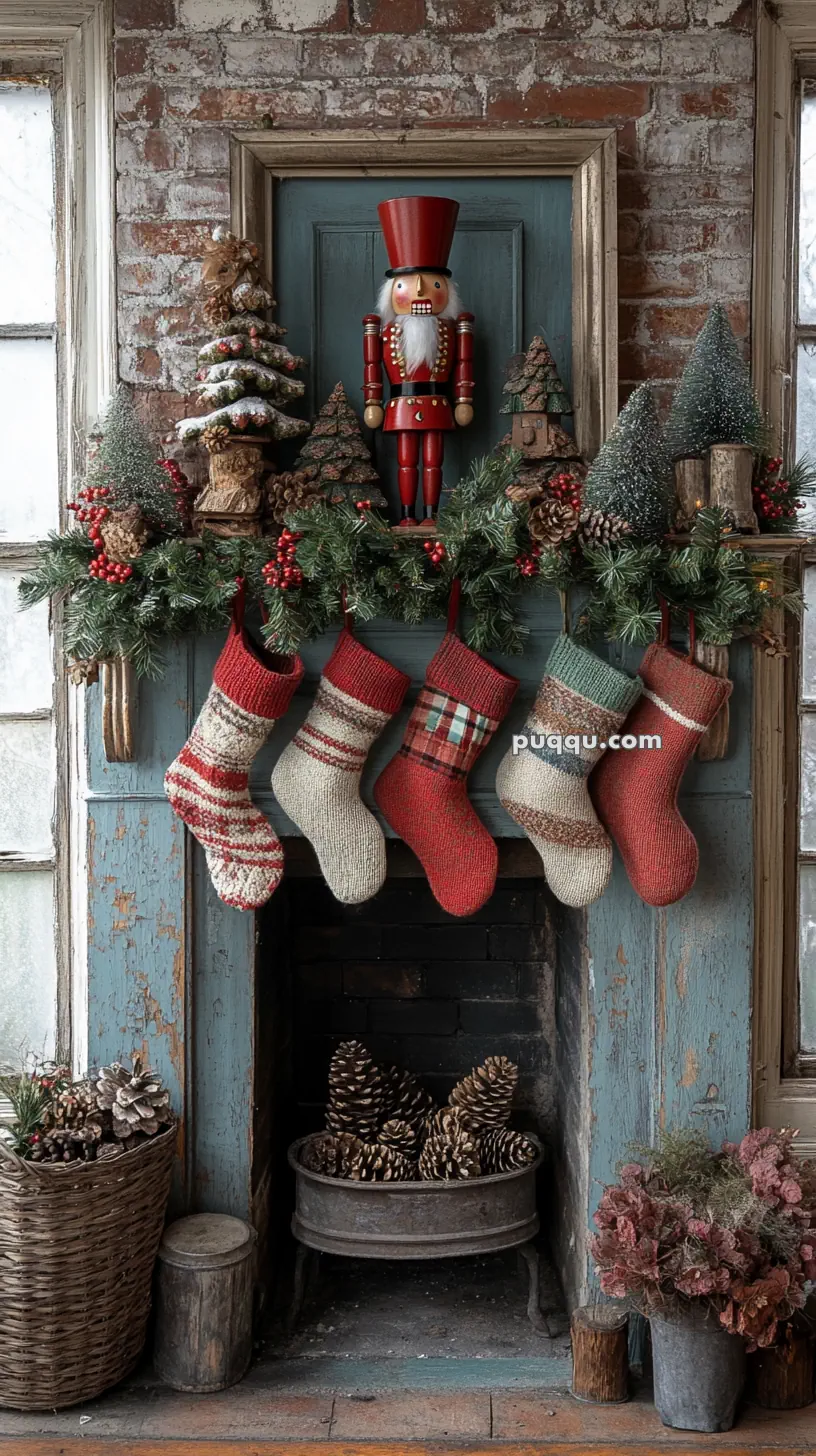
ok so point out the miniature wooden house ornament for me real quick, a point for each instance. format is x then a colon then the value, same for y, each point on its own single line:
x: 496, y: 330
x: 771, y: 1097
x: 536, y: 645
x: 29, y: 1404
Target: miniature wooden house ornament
x: 537, y: 400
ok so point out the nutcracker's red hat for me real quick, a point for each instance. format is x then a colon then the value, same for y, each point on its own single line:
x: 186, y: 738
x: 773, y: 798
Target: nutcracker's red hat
x: 418, y: 233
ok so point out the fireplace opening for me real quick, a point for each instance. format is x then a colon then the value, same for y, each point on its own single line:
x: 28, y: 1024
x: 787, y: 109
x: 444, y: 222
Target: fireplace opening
x: 433, y: 996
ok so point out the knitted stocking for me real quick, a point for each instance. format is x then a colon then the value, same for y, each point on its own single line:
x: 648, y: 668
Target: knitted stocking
x: 545, y: 790
x: 207, y: 784
x: 317, y: 778
x: 635, y: 791
x: 422, y: 792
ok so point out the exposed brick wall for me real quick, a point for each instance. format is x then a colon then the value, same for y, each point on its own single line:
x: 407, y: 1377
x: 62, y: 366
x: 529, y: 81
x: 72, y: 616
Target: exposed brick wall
x: 420, y: 990
x: 674, y: 76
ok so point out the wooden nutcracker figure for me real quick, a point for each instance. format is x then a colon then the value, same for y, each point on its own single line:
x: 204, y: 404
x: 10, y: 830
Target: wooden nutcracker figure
x: 424, y: 341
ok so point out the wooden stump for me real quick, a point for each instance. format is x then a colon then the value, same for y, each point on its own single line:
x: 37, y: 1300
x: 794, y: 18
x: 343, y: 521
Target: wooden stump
x: 231, y: 502
x: 600, y: 1354
x: 118, y: 704
x: 691, y: 487
x: 731, y: 471
x: 781, y: 1378
x: 714, y: 742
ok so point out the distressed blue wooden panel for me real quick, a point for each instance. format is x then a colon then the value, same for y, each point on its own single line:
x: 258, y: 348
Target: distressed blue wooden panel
x: 162, y: 720
x: 137, y: 938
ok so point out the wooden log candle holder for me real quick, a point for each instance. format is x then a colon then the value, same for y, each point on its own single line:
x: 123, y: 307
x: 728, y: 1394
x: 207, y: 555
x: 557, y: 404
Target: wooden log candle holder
x: 600, y: 1354
x: 731, y: 473
x: 691, y: 488
x: 781, y: 1377
x: 118, y: 705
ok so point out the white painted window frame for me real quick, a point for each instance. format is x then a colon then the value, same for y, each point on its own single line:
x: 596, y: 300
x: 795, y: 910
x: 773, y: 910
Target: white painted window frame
x: 78, y: 34
x: 786, y: 40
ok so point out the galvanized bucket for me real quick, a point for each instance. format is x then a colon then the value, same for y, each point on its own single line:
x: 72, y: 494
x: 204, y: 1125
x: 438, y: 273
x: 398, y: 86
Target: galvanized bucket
x: 699, y: 1371
x: 414, y: 1220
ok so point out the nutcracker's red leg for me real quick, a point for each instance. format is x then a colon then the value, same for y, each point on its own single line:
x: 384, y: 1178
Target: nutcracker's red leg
x: 433, y: 445
x: 408, y: 458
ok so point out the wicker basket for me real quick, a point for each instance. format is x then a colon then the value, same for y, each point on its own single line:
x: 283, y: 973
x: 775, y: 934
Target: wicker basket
x: 77, y: 1249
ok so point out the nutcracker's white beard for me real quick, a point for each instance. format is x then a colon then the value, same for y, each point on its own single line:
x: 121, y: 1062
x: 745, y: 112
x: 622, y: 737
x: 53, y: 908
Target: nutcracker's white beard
x: 420, y: 333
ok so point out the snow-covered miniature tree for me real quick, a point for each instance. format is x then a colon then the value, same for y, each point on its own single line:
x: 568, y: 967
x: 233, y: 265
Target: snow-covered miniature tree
x: 245, y: 372
x: 631, y: 475
x: 714, y: 403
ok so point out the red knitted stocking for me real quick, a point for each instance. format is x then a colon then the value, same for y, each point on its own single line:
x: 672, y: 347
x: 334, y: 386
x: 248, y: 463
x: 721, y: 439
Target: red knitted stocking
x: 635, y: 791
x: 422, y: 792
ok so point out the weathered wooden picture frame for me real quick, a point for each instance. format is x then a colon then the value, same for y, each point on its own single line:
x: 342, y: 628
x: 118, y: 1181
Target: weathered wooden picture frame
x: 586, y: 154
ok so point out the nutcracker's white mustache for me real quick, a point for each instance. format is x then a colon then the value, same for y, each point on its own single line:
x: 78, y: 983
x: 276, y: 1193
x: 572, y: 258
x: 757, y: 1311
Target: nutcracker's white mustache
x: 420, y: 333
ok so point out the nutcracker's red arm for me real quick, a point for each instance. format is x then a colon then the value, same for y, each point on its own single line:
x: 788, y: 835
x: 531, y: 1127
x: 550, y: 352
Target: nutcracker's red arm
x: 372, y: 357
x: 463, y: 369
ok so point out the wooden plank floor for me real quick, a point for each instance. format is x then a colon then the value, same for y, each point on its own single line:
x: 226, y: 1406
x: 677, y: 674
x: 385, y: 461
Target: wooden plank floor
x: 246, y: 1421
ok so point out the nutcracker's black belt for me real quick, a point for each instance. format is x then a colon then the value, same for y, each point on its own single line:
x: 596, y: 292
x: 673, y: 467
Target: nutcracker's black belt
x: 410, y: 386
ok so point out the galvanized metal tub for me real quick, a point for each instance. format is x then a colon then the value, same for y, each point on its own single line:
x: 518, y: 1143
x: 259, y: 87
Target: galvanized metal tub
x: 414, y: 1220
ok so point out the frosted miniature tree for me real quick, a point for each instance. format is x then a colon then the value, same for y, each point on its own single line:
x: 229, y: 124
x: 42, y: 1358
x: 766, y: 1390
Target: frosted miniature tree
x: 631, y: 476
x: 337, y: 455
x: 714, y: 403
x: 245, y: 372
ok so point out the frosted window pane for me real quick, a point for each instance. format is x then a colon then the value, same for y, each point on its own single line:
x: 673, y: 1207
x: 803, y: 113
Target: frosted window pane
x: 807, y: 800
x: 26, y: 668
x: 27, y: 267
x: 28, y: 971
x: 807, y: 957
x: 26, y: 788
x: 809, y: 636
x: 28, y: 430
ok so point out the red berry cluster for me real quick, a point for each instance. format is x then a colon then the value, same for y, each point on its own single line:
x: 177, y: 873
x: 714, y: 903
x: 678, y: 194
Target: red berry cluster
x: 773, y: 498
x: 225, y: 348
x: 91, y: 512
x: 284, y: 571
x: 179, y: 485
x: 435, y: 551
x: 566, y: 487
x: 362, y: 505
x: 528, y: 564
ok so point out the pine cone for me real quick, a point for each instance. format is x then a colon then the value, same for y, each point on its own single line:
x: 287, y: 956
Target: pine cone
x: 448, y: 1121
x: 395, y: 1133
x: 83, y: 670
x: 405, y: 1100
x: 518, y: 492
x: 446, y: 1156
x: 503, y: 1150
x: 124, y: 534
x: 217, y: 309
x: 598, y: 528
x: 293, y: 490
x: 216, y: 438
x: 487, y: 1094
x: 376, y: 1163
x: 137, y: 1100
x: 331, y: 1154
x: 552, y: 521
x: 71, y: 1108
x: 356, y: 1092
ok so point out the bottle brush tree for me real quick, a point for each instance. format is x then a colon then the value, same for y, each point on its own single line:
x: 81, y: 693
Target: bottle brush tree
x: 631, y: 477
x: 714, y: 403
x: 336, y: 455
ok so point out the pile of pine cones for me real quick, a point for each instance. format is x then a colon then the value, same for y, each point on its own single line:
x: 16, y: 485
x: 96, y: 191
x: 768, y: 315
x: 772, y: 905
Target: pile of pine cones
x: 382, y: 1126
x: 99, y: 1117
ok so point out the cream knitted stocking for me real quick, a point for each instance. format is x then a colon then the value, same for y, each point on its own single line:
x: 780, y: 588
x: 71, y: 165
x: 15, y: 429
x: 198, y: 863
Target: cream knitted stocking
x: 317, y: 777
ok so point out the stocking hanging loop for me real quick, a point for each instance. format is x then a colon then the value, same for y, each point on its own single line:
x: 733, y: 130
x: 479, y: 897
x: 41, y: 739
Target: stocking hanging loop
x: 453, y: 604
x: 665, y: 622
x: 239, y: 603
x: 563, y: 597
x: 348, y: 619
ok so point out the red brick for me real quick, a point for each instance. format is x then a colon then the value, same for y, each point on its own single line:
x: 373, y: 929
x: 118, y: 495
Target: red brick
x: 202, y: 196
x: 633, y: 192
x: 146, y: 195
x: 159, y: 409
x: 130, y: 57
x: 553, y: 18
x: 407, y: 56
x: 665, y: 321
x: 185, y: 56
x: 710, y: 100
x: 639, y: 362
x: 643, y: 14
x: 342, y: 55
x: 153, y: 150
x: 571, y: 103
x: 148, y: 363
x: 467, y: 16
x: 324, y: 15
x: 629, y: 231
x: 349, y: 104
x: 209, y: 150
x: 599, y: 57
x: 145, y: 14
x: 675, y: 143
x: 143, y: 277
x: 641, y: 277
x: 226, y: 103
x: 138, y: 102
x: 680, y: 235
x: 400, y: 17
x: 181, y: 239
x: 417, y: 103
x: 253, y: 56
x: 500, y: 56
